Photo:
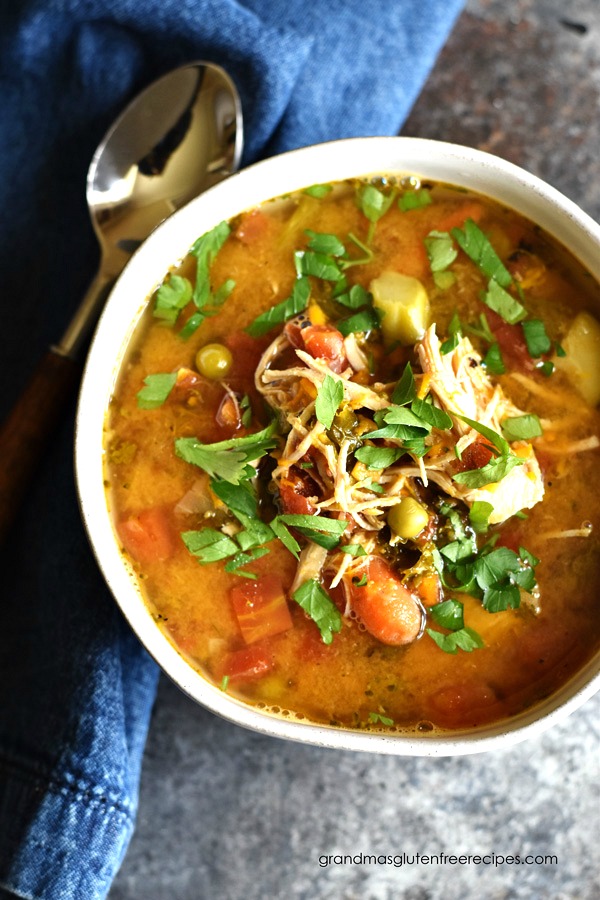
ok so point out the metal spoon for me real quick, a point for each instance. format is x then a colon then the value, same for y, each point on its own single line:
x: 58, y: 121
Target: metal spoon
x: 180, y: 136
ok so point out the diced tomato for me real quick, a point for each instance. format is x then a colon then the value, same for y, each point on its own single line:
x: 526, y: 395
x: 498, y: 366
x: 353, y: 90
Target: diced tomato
x: 511, y: 341
x: 246, y: 664
x: 386, y: 608
x: 327, y: 343
x: 261, y: 608
x: 148, y: 536
x: 246, y: 352
x: 252, y: 227
x: 463, y: 704
x: 476, y: 455
x: 296, y: 490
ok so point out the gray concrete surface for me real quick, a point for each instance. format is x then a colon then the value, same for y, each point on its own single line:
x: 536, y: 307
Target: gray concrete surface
x: 230, y: 815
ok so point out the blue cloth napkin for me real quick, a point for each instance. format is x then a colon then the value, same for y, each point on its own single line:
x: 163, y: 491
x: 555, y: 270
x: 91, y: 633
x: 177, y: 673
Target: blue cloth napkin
x: 76, y: 688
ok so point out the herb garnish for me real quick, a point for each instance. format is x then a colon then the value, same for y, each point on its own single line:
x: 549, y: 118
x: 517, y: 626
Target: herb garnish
x: 536, y: 338
x: 497, y: 468
x: 478, y: 247
x: 414, y: 199
x: 207, y: 303
x: 329, y: 397
x: 440, y: 250
x: 374, y: 204
x: 317, y: 603
x: 171, y: 297
x: 521, y: 428
x: 228, y: 459
x: 494, y: 575
x: 449, y: 615
x: 318, y: 190
x: 156, y: 390
x: 378, y: 718
x: 281, y: 312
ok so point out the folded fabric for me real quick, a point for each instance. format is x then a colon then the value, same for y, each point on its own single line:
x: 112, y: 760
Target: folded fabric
x: 76, y: 688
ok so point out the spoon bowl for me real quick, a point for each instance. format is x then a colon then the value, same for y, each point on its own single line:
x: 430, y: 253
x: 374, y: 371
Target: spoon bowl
x: 180, y: 136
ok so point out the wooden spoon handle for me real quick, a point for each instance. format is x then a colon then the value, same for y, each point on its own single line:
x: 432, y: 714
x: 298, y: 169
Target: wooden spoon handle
x: 29, y: 427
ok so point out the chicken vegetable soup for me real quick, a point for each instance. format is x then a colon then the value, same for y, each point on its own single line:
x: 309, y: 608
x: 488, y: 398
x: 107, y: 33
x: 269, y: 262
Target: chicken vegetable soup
x: 353, y: 458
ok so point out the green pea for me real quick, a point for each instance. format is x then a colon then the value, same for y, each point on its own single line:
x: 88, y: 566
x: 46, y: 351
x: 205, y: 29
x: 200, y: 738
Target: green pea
x: 214, y: 361
x: 408, y: 518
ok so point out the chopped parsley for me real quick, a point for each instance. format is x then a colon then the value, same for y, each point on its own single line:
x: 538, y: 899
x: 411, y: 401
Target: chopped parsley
x: 414, y: 199
x: 171, y: 297
x: 477, y: 246
x: 521, y: 428
x: 317, y: 603
x: 329, y: 397
x: 207, y: 303
x: 281, y: 312
x: 536, y: 338
x: 156, y: 390
x: 374, y: 204
x: 228, y: 459
x: 440, y: 250
x: 450, y: 615
x: 379, y: 719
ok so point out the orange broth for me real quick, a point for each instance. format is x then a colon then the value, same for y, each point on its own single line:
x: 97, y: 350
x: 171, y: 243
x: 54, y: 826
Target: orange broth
x: 356, y: 680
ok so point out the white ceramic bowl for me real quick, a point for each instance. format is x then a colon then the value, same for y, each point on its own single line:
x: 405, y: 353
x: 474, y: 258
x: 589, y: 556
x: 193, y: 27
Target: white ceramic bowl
x: 167, y: 245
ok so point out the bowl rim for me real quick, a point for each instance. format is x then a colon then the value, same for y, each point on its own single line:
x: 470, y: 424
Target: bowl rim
x: 331, y: 161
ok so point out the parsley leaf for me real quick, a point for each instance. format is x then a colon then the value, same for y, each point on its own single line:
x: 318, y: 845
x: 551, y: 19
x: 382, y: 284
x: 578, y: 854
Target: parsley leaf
x: 448, y: 614
x: 431, y: 414
x: 373, y: 202
x: 378, y: 457
x: 521, y: 428
x: 536, y: 338
x: 492, y: 436
x: 355, y: 298
x: 329, y: 397
x: 238, y: 497
x: 494, y: 471
x: 354, y: 550
x: 227, y: 459
x: 440, y: 250
x: 287, y: 539
x: 318, y: 190
x: 205, y: 250
x: 234, y: 565
x: 281, y: 312
x: 315, y: 523
x: 493, y: 360
x: 455, y: 332
x: 328, y: 244
x: 377, y: 718
x: 478, y: 247
x: 320, y: 607
x: 465, y: 639
x: 156, y: 390
x: 405, y: 390
x: 414, y: 199
x: 366, y: 320
x: 171, y: 298
x: 479, y: 515
x: 209, y: 545
x: 320, y: 265
x: 501, y: 302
